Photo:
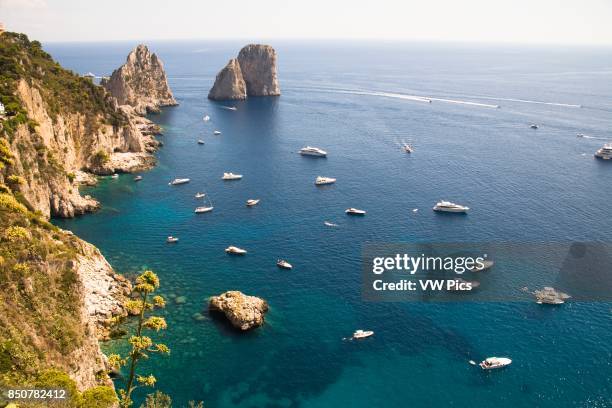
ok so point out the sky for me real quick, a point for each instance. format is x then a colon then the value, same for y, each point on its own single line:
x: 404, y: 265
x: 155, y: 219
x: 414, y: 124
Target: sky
x: 587, y: 22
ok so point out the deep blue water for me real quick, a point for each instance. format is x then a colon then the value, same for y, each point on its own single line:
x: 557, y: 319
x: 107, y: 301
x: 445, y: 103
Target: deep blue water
x: 524, y: 185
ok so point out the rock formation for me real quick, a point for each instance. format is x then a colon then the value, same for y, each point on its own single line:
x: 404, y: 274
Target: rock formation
x: 255, y: 68
x: 229, y: 84
x: 141, y: 82
x: 244, y: 312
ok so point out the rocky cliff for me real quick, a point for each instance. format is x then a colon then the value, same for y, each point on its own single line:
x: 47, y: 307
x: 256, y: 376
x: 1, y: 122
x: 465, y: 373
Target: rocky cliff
x: 255, y: 67
x: 141, y: 82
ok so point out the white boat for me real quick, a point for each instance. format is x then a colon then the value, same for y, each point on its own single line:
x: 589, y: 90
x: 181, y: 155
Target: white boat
x: 203, y: 209
x: 486, y: 264
x: 534, y: 126
x: 408, y: 148
x: 319, y: 181
x: 313, y: 151
x: 281, y: 263
x: 138, y: 178
x: 354, y: 211
x: 200, y: 195
x: 206, y: 118
x: 231, y: 176
x: 494, y: 362
x: 330, y: 224
x: 178, y: 181
x: 232, y: 108
x: 580, y: 135
x: 252, y: 202
x: 605, y: 153
x: 217, y: 132
x: 447, y: 206
x: 235, y: 250
x: 200, y: 142
x: 171, y: 239
x: 362, y: 334
x: 115, y: 176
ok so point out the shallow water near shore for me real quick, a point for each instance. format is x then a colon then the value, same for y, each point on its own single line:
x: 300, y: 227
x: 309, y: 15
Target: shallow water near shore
x: 523, y: 185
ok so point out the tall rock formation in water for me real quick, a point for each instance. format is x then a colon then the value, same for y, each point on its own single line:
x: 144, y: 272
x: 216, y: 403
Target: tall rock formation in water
x: 141, y: 82
x: 255, y: 67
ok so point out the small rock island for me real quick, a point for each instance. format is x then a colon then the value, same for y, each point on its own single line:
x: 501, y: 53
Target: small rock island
x: 244, y: 312
x: 253, y: 73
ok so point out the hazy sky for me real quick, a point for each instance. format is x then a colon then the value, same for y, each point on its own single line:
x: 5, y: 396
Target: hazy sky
x: 520, y: 21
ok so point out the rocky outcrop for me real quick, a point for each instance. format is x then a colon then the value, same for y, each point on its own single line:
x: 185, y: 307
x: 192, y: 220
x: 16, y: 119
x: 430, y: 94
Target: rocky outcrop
x: 255, y: 68
x: 141, y: 82
x: 229, y: 84
x: 244, y: 312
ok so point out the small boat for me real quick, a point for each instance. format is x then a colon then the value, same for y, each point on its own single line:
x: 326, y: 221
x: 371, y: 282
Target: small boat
x: 138, y: 178
x: 319, y: 181
x: 605, y: 153
x: 217, y: 132
x: 206, y: 118
x: 252, y: 202
x: 330, y: 224
x: 232, y: 108
x: 178, y: 181
x: 362, y: 334
x: 200, y: 142
x: 235, y: 250
x: 354, y: 211
x: 313, y: 151
x: 486, y: 264
x: 580, y: 135
x: 534, y: 126
x: 281, y: 263
x: 408, y: 148
x: 200, y: 195
x: 447, y: 206
x: 171, y: 239
x: 494, y: 362
x: 115, y: 176
x: 200, y: 210
x: 231, y: 176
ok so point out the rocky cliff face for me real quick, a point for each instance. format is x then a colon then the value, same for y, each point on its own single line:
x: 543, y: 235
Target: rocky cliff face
x: 141, y: 82
x: 229, y: 84
x: 255, y: 67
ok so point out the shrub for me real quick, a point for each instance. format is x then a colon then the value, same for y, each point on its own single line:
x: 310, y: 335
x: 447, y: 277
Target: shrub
x: 99, y: 397
x: 101, y: 157
x: 15, y: 180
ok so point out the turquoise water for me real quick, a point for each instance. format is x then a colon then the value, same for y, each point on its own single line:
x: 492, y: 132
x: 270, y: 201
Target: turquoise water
x: 524, y: 185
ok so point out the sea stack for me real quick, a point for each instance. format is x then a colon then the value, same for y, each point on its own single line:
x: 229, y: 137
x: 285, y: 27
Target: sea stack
x: 244, y: 312
x: 141, y: 82
x: 255, y: 67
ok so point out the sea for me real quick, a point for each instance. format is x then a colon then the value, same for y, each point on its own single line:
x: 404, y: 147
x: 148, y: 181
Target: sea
x: 467, y: 110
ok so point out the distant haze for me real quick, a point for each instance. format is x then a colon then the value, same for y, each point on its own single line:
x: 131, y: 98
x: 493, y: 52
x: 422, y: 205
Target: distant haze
x: 514, y: 21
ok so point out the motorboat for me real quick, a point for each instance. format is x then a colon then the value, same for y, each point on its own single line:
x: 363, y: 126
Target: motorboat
x: 217, y: 132
x: 408, y: 148
x: 484, y: 265
x: 231, y: 176
x: 362, y: 334
x: 330, y: 224
x: 252, y: 202
x: 319, y: 181
x: 580, y: 135
x: 354, y: 211
x: 534, y: 126
x: 205, y: 209
x: 313, y: 151
x: 138, y: 178
x: 232, y: 108
x: 171, y: 239
x: 200, y: 142
x: 550, y: 296
x: 447, y: 206
x: 605, y: 153
x: 494, y: 362
x: 281, y: 263
x: 235, y: 250
x: 115, y: 176
x: 206, y: 118
x: 178, y: 181
x: 200, y: 195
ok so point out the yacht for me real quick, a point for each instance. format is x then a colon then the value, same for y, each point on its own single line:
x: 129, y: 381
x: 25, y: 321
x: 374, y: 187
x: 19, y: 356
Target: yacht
x: 534, y: 126
x: 252, y: 202
x: 313, y: 151
x: 200, y: 195
x: 494, y: 362
x: 137, y: 178
x: 200, y: 210
x: 206, y: 118
x: 324, y: 180
x: 231, y: 176
x: 362, y: 334
x: 235, y: 250
x: 281, y: 263
x: 171, y: 239
x: 605, y: 153
x: 354, y: 211
x: 408, y: 148
x: 178, y: 181
x: 217, y: 132
x: 447, y: 206
x: 200, y: 142
x: 115, y: 176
